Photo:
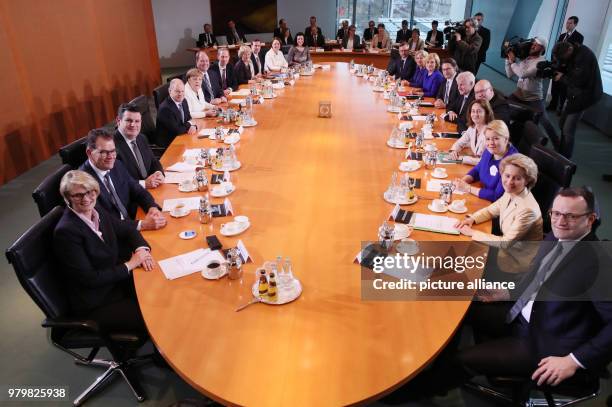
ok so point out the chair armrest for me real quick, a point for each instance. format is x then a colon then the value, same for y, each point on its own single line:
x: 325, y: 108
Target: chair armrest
x: 71, y: 323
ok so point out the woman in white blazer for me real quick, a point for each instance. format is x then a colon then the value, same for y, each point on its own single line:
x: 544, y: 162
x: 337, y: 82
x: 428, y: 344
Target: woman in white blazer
x: 198, y: 106
x: 473, y: 138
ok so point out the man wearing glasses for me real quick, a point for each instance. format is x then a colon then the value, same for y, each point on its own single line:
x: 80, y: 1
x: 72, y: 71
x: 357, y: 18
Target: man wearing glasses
x: 483, y: 90
x: 120, y: 194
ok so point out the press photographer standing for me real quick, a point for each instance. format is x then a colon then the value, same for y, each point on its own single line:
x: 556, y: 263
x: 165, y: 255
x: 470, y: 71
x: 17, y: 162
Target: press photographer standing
x: 582, y: 81
x: 465, y: 47
x: 529, y: 88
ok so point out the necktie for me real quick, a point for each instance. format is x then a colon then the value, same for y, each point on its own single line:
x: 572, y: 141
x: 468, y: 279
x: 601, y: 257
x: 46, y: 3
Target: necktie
x: 139, y: 160
x: 223, y: 81
x: 180, y: 108
x: 315, y: 39
x: 258, y: 63
x: 236, y: 37
x: 535, y: 284
x: 462, y: 105
x: 208, y: 40
x: 208, y: 86
x: 114, y: 197
x: 447, y: 91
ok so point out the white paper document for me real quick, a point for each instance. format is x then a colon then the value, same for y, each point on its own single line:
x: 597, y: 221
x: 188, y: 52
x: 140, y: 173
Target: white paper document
x: 182, y: 167
x: 434, y: 185
x: 178, y: 177
x: 241, y: 92
x: 434, y: 223
x: 211, y: 132
x: 192, y: 203
x: 419, y: 118
x: 189, y: 263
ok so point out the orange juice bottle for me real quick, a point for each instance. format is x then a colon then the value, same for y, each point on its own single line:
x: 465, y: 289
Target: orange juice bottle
x: 272, y: 292
x: 263, y: 283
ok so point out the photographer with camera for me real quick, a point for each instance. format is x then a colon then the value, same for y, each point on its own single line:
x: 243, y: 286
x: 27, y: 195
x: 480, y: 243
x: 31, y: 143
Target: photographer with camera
x: 529, y: 89
x: 465, y: 44
x: 582, y: 81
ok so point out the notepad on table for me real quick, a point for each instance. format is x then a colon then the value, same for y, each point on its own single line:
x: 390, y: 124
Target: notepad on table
x: 191, y: 203
x: 178, y: 177
x: 434, y: 223
x: 181, y: 167
x: 189, y: 263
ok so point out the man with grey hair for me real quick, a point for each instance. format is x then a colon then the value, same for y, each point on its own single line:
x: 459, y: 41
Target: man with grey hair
x: 457, y: 109
x: 529, y: 88
x: 465, y: 47
x: 483, y: 90
x: 173, y: 116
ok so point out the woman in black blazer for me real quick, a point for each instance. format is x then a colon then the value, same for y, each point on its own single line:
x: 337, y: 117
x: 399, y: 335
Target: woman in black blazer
x: 97, y: 253
x: 244, y: 69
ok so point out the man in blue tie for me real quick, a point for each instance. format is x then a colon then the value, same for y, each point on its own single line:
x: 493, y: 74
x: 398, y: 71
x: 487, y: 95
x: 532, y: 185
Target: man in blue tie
x: 404, y: 66
x: 173, y: 116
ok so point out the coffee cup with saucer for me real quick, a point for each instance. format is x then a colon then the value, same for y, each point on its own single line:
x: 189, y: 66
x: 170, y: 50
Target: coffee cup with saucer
x: 410, y: 165
x: 438, y: 205
x: 439, y: 172
x: 458, y: 206
x: 214, y: 270
x: 187, y: 185
x: 179, y: 211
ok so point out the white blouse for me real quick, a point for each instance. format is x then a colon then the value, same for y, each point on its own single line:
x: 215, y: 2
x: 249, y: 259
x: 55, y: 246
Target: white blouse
x: 476, y: 143
x: 196, y: 102
x: 275, y: 61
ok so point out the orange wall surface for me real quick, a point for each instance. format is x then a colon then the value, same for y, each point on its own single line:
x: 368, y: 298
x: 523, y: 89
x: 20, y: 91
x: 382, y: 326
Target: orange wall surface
x: 65, y: 66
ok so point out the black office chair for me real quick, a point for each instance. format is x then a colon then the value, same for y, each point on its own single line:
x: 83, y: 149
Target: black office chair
x: 160, y: 93
x: 148, y: 124
x: 554, y: 172
x: 531, y: 135
x: 74, y: 153
x: 47, y: 195
x: 38, y: 272
x: 522, y: 391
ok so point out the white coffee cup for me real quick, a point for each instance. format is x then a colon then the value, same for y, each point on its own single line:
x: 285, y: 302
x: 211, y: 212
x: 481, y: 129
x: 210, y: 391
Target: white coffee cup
x: 438, y: 205
x: 430, y: 147
x: 214, y: 269
x: 241, y: 220
x: 458, y: 204
x: 186, y: 184
x: 439, y: 172
x: 179, y: 210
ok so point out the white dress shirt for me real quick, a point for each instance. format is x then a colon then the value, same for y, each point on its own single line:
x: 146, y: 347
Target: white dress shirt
x: 129, y: 144
x: 275, y: 61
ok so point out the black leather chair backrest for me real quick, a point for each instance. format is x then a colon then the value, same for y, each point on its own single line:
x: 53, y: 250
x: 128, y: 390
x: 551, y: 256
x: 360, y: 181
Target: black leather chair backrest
x: 47, y: 195
x: 160, y: 93
x: 531, y: 135
x: 74, y: 153
x: 148, y: 124
x: 521, y: 113
x: 554, y: 172
x: 36, y: 266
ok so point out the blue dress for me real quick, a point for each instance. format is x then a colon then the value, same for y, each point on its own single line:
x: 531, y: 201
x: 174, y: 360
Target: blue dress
x: 487, y: 172
x: 417, y: 79
x: 432, y: 82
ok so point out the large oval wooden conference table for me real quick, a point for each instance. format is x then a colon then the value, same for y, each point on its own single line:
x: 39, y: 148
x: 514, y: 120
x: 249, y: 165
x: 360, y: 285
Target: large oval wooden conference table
x: 312, y: 188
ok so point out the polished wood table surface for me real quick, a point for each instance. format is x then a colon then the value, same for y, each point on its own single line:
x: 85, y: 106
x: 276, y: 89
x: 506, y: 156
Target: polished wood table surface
x: 312, y: 188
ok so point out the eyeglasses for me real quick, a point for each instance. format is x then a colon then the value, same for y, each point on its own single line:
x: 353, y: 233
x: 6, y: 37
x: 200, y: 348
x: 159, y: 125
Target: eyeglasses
x: 106, y: 153
x: 570, y: 217
x: 80, y: 195
x: 481, y: 91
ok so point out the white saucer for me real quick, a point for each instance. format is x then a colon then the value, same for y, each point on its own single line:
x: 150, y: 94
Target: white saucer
x: 403, y: 201
x: 175, y: 215
x: 234, y: 228
x: 284, y: 293
x: 223, y: 192
x: 206, y: 274
x: 271, y: 97
x: 439, y: 176
x: 403, y: 168
x: 407, y: 246
x: 250, y: 124
x: 192, y: 189
x: 433, y: 210
x: 450, y: 208
x: 224, y: 168
x: 185, y: 236
x: 395, y: 109
x: 392, y: 145
x: 233, y: 139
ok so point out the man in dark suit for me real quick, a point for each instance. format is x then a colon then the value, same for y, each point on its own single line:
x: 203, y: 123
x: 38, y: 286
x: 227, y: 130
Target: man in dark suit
x: 435, y: 38
x: 225, y: 71
x: 133, y: 148
x: 465, y: 47
x: 211, y: 82
x: 258, y: 57
x: 120, y: 194
x: 501, y: 109
x: 404, y: 66
x: 233, y: 34
x: 457, y: 109
x: 283, y: 33
x: 449, y: 90
x: 343, y: 30
x: 404, y: 34
x: 556, y: 327
x: 314, y: 38
x: 370, y: 32
x: 309, y: 33
x: 207, y: 38
x: 485, y: 34
x: 173, y: 116
x: 558, y: 92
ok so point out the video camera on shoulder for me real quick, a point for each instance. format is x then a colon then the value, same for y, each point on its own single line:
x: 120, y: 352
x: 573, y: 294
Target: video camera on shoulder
x: 548, y: 69
x: 451, y: 27
x: 520, y: 47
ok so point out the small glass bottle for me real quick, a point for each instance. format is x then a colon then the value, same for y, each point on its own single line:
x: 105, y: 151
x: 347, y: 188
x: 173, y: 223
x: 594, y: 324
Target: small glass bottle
x: 288, y: 269
x: 263, y: 283
x: 279, y: 266
x: 272, y: 292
